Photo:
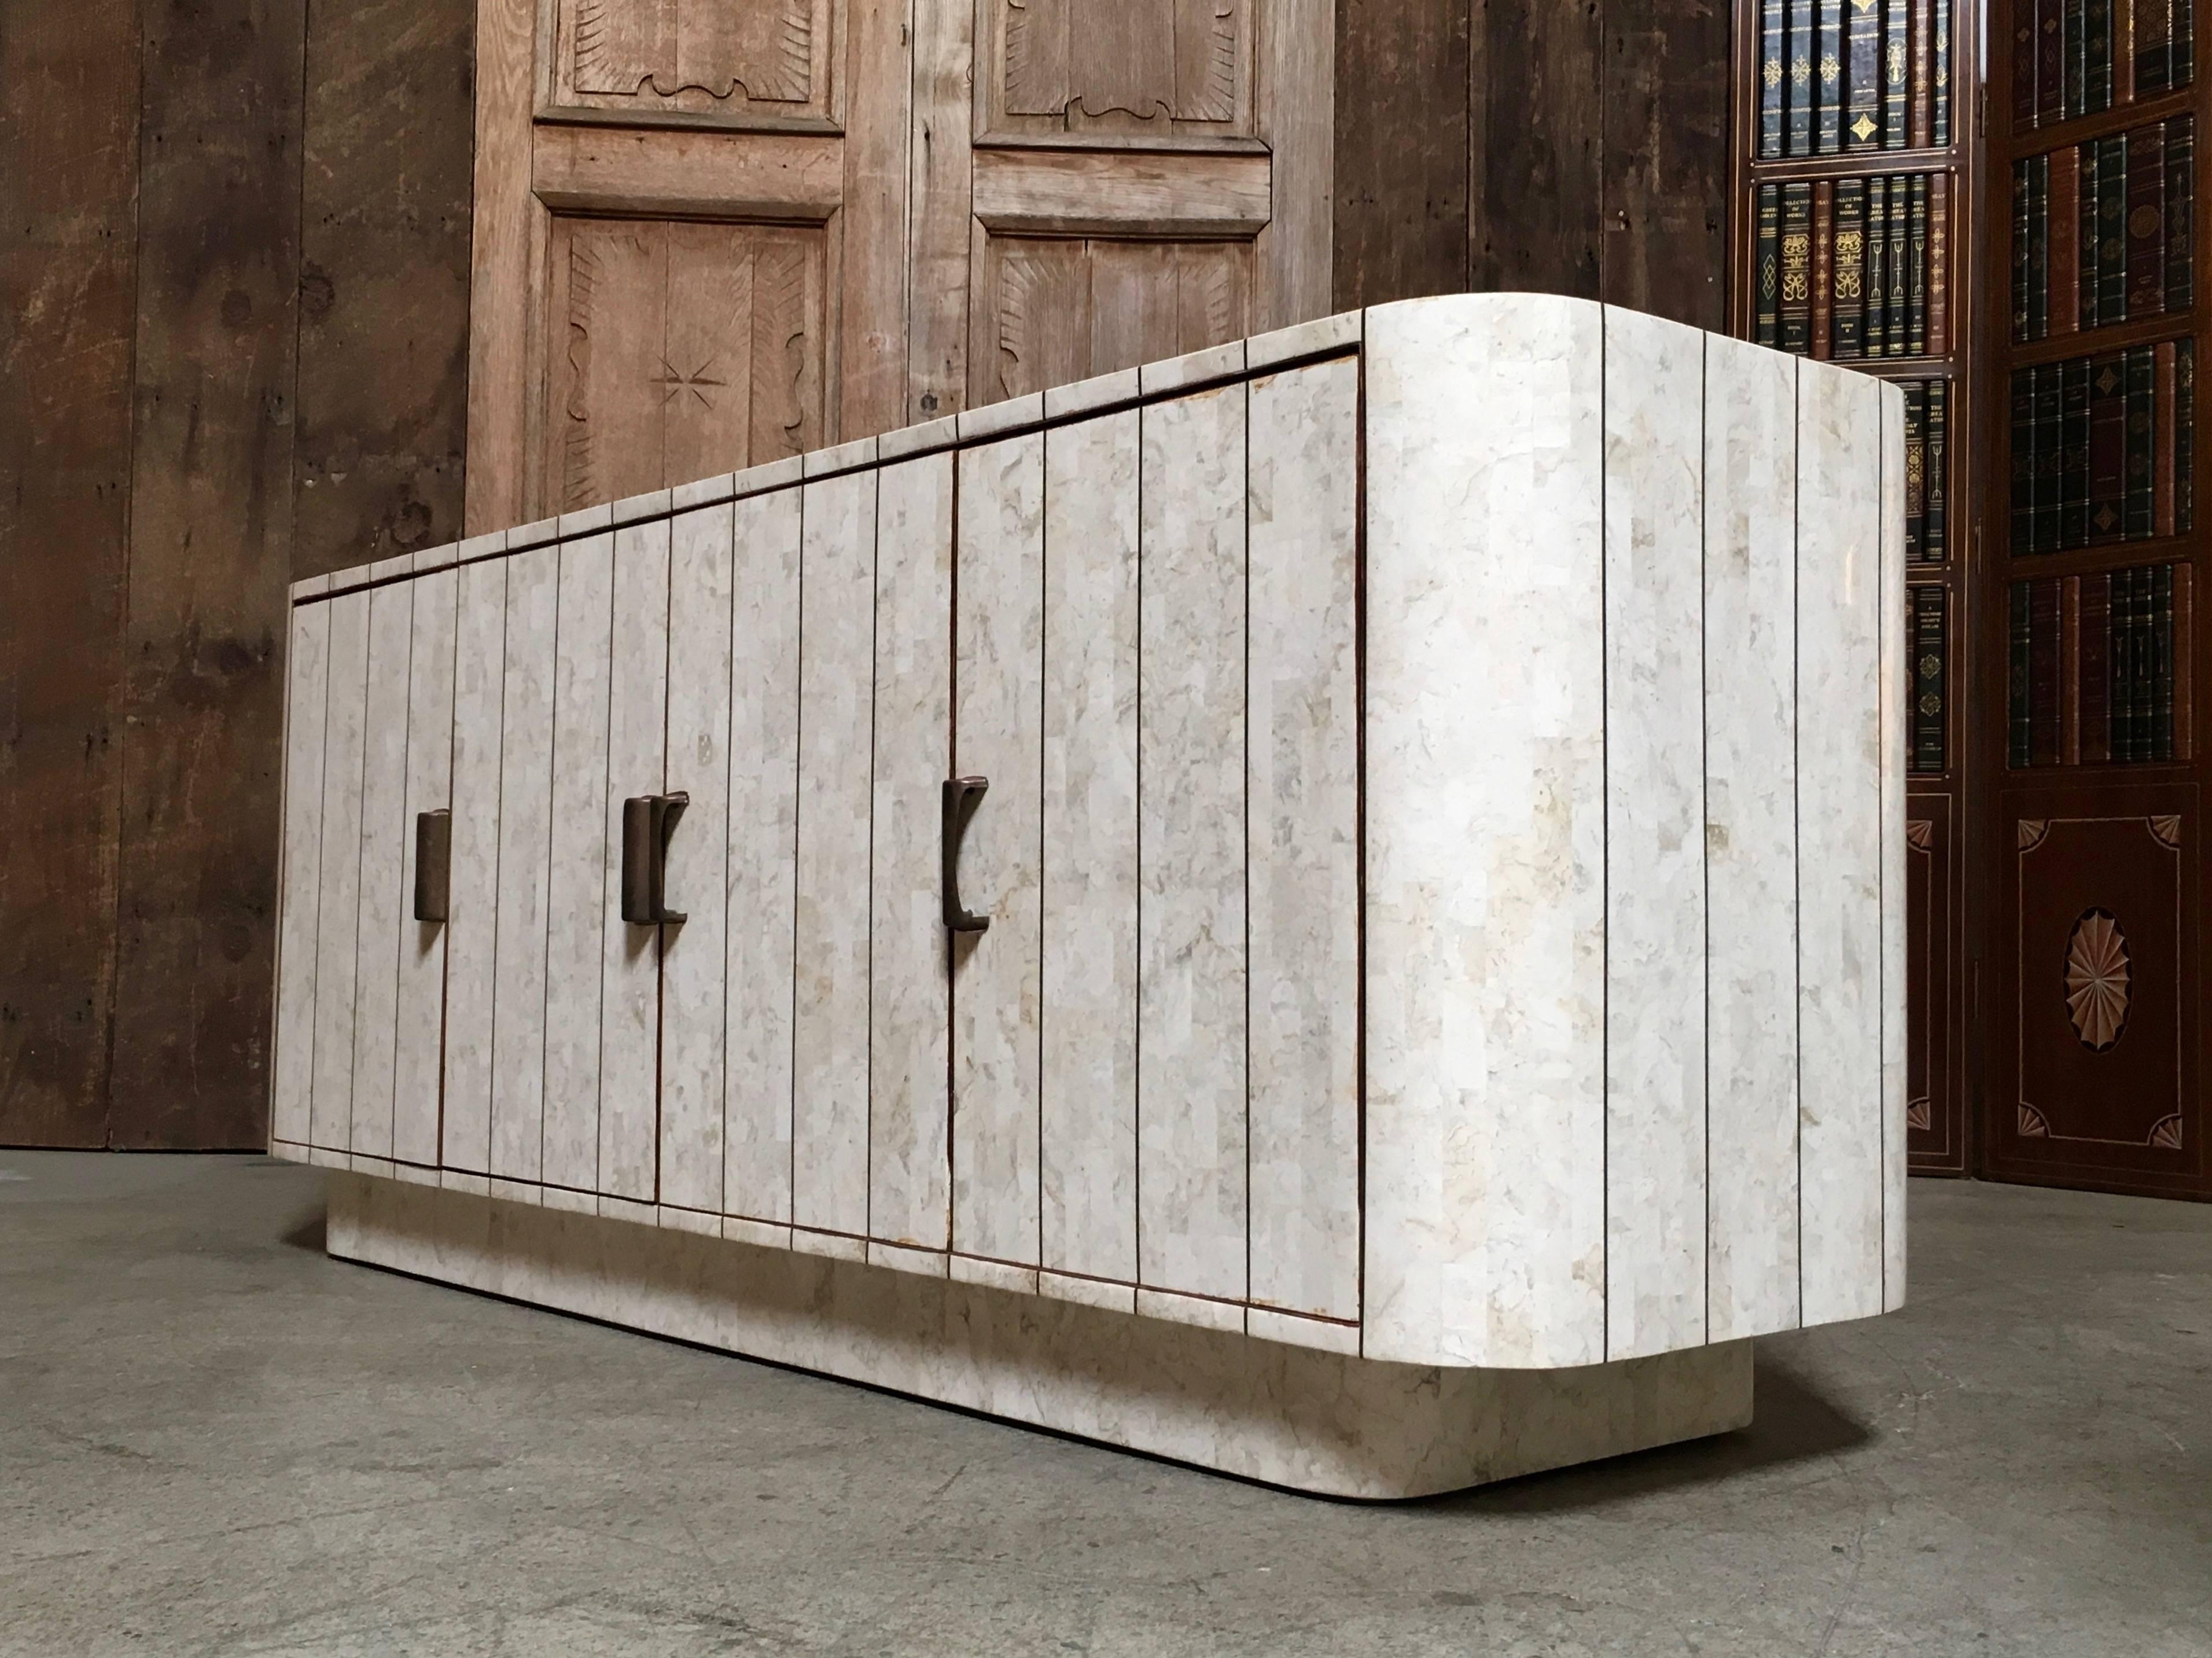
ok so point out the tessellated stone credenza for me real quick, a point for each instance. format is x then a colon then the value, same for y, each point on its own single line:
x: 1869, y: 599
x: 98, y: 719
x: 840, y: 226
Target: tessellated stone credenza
x: 1332, y: 908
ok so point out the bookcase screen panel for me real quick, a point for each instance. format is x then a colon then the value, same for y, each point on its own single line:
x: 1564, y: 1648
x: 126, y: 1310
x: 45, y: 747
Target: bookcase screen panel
x: 2099, y: 669
x: 2101, y: 231
x: 1855, y: 268
x: 2074, y: 58
x: 1837, y: 76
x: 2102, y: 449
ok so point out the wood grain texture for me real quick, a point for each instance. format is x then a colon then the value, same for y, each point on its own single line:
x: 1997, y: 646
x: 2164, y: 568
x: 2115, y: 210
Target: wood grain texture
x: 761, y: 59
x: 211, y: 535
x: 1043, y: 192
x: 384, y: 280
x: 1297, y: 117
x: 938, y: 159
x: 500, y: 289
x: 1665, y: 165
x: 781, y: 178
x: 68, y: 270
x: 1401, y: 152
x: 1535, y: 135
x: 871, y: 353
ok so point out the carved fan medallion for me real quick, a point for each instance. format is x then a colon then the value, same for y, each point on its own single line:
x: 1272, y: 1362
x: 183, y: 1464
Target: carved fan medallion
x: 2097, y: 980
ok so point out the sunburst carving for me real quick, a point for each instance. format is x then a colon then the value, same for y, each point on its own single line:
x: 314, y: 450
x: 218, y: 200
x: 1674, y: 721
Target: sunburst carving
x: 1919, y: 1115
x: 2166, y: 1133
x: 2028, y: 832
x: 2031, y: 1125
x: 1919, y: 834
x: 2166, y: 829
x: 2098, y: 979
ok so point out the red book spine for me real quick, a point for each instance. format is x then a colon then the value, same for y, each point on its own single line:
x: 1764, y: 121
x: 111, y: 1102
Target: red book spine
x: 1918, y: 85
x: 1824, y: 266
x: 1939, y: 265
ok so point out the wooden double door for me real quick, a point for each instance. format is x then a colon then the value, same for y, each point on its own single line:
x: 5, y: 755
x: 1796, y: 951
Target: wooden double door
x: 712, y: 233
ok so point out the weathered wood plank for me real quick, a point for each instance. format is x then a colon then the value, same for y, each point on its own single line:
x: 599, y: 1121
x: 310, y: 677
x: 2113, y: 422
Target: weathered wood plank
x: 1665, y: 98
x: 1535, y: 177
x: 1400, y: 150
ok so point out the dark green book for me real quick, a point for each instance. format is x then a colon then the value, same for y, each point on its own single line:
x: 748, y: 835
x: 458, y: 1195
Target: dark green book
x: 2020, y: 723
x: 2075, y: 58
x: 2097, y: 46
x: 1797, y: 268
x: 1799, y: 82
x: 2160, y: 744
x: 1916, y: 470
x: 2153, y: 20
x: 1772, y: 73
x: 2108, y: 447
x: 1940, y: 112
x: 2139, y: 514
x: 1877, y: 267
x: 2112, y: 265
x: 1935, y: 538
x: 2142, y: 664
x: 2184, y: 434
x: 2086, y: 259
x: 2038, y: 247
x: 1766, y: 327
x: 1828, y: 76
x: 1931, y: 652
x: 1895, y: 310
x: 2022, y: 527
x: 2120, y: 665
x: 2074, y: 460
x: 2049, y: 455
x: 1896, y: 72
x: 1916, y: 275
x: 2181, y: 53
x: 1848, y: 324
x: 2180, y: 219
x: 1862, y: 74
x: 2021, y: 218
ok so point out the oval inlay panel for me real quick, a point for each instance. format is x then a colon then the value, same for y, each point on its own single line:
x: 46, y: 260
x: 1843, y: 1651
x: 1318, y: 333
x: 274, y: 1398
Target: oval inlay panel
x: 2097, y: 980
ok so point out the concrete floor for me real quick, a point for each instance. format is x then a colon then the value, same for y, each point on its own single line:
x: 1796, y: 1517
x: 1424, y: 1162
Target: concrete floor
x: 215, y: 1440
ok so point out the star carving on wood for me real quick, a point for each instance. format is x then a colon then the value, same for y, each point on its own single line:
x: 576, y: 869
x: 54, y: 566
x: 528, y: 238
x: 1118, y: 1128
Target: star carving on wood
x: 679, y: 383
x: 2098, y: 979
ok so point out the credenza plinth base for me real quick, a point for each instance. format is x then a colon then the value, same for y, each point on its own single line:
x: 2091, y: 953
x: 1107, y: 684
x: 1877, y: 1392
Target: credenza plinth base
x: 1291, y: 1416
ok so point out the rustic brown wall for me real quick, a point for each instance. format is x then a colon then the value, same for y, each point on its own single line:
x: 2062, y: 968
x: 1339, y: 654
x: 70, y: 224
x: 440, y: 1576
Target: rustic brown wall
x: 237, y: 311
x: 1576, y: 147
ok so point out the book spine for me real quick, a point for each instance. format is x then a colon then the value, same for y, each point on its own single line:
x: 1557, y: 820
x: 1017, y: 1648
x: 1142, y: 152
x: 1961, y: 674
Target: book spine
x: 1897, y: 308
x: 2070, y: 671
x: 1896, y: 66
x: 1917, y: 93
x: 2145, y: 293
x: 2181, y: 50
x: 1877, y: 267
x: 2162, y: 425
x: 2096, y: 669
x: 2049, y: 455
x: 1938, y: 83
x: 1862, y: 75
x: 2076, y: 57
x: 2142, y: 663
x: 1850, y: 271
x: 2085, y: 241
x: 1828, y: 72
x: 1823, y: 271
x: 2161, y: 745
x: 1935, y: 538
x: 2024, y: 59
x: 1917, y: 342
x: 1797, y: 268
x: 1916, y: 471
x: 2042, y: 672
x: 2184, y: 436
x: 2142, y: 437
x: 2180, y: 214
x: 2021, y: 528
x: 2184, y: 722
x: 2023, y: 262
x: 2112, y: 229
x: 1798, y: 81
x: 2108, y: 447
x: 2127, y: 652
x: 2050, y: 49
x: 2019, y: 725
x: 1772, y: 72
x: 1766, y: 297
x: 2063, y: 250
x: 2153, y: 20
x: 2124, y: 50
x: 2097, y: 67
x: 2037, y: 280
x: 2074, y: 444
x: 1931, y: 654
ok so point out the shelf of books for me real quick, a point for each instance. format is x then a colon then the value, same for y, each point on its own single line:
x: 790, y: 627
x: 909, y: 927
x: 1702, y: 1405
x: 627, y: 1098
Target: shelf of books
x: 2087, y: 625
x: 1854, y: 196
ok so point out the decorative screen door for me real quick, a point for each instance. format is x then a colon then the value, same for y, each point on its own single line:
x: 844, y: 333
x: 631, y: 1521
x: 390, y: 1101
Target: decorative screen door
x: 710, y: 233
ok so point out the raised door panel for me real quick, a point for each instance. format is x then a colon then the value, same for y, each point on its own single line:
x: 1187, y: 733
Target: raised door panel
x: 1935, y: 1129
x: 734, y: 61
x: 677, y: 350
x: 1154, y: 68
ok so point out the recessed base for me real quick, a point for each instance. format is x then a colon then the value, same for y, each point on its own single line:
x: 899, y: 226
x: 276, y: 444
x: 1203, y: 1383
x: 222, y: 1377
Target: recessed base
x: 1291, y: 1416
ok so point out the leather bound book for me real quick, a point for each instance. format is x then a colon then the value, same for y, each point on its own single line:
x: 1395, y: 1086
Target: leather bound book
x: 2085, y: 242
x: 2108, y: 447
x: 2075, y: 56
x: 1938, y: 83
x: 2097, y: 47
x: 2049, y: 455
x: 1935, y: 539
x: 1772, y: 73
x: 1918, y: 76
x: 2112, y: 229
x: 2023, y: 242
x: 1877, y: 267
x: 1931, y: 652
x: 2021, y: 529
x: 2145, y: 222
x: 2154, y: 23
x: 2024, y: 60
x: 2142, y: 437
x: 2074, y: 454
x: 2162, y: 425
x: 2070, y: 671
x: 1797, y: 268
x: 1849, y: 273
x: 2065, y: 248
x: 2042, y: 672
x: 1766, y: 296
x: 1862, y: 75
x: 1823, y: 269
x: 1896, y: 307
x: 2181, y: 50
x: 1916, y: 275
x: 2161, y: 736
x: 2019, y: 639
x: 2049, y: 59
x: 2180, y: 216
x: 2094, y: 670
x: 1938, y: 264
x: 2124, y: 51
x: 2184, y: 436
x: 1916, y: 470
x: 2184, y: 724
x: 1828, y: 76
x: 1896, y: 68
x: 2143, y: 662
x: 1798, y: 81
x: 2038, y: 276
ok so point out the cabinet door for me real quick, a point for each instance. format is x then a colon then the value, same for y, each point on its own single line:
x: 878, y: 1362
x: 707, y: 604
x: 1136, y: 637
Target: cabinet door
x: 472, y: 931
x: 299, y: 893
x: 383, y: 906
x: 418, y: 1042
x: 345, y: 732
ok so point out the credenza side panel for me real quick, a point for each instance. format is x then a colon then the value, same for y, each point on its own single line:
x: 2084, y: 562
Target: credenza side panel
x: 1750, y: 837
x: 1840, y: 804
x: 299, y: 894
x: 338, y: 928
x: 909, y: 1004
x: 1486, y: 791
x: 1302, y: 769
x: 1088, y: 1106
x: 419, y: 1046
x: 694, y: 1011
x: 471, y: 934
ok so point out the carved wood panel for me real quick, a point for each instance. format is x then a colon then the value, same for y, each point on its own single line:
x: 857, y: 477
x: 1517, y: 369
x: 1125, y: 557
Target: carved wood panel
x: 734, y: 59
x: 2096, y: 1081
x: 1935, y: 1124
x: 1058, y: 309
x: 1162, y: 69
x: 677, y: 350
